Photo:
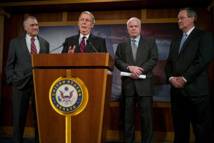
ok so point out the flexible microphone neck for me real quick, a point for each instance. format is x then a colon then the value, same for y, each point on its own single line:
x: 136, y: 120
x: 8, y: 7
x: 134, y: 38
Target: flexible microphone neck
x: 63, y: 44
x: 89, y: 42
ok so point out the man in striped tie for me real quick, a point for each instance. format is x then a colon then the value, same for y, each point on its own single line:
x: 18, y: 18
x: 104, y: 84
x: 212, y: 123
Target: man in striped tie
x: 85, y: 41
x: 19, y: 74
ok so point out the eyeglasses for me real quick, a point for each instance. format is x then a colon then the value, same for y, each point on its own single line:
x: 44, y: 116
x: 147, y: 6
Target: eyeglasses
x: 86, y: 20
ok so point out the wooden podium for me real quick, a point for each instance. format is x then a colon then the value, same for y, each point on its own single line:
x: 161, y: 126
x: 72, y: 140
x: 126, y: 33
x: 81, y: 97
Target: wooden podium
x: 95, y: 70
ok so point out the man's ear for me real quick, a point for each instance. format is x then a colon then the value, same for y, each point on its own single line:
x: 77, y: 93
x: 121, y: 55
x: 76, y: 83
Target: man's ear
x: 25, y: 27
x: 92, y: 25
x: 192, y: 18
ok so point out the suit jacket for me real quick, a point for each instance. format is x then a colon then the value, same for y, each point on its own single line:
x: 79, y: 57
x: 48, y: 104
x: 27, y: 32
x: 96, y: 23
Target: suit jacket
x: 98, y: 43
x: 196, y: 54
x: 146, y: 58
x: 19, y: 66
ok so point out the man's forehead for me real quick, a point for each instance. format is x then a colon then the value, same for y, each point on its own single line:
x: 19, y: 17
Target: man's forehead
x: 134, y: 21
x: 133, y: 24
x: 183, y: 12
x: 30, y: 20
x: 85, y: 15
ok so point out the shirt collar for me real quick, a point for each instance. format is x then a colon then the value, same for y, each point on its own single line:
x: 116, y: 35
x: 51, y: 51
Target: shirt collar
x: 136, y: 39
x: 87, y: 36
x: 189, y: 32
x: 29, y: 38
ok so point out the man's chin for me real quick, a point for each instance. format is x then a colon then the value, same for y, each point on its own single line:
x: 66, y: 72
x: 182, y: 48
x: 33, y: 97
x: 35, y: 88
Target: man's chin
x: 84, y: 32
x: 35, y: 34
x: 134, y: 36
x: 180, y: 27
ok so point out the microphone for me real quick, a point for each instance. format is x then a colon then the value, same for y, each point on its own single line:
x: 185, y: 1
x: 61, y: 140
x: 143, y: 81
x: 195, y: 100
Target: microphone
x: 63, y: 44
x: 89, y: 42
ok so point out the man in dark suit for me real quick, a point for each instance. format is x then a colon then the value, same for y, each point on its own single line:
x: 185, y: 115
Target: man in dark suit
x: 19, y: 75
x: 137, y: 55
x: 186, y: 71
x: 85, y: 41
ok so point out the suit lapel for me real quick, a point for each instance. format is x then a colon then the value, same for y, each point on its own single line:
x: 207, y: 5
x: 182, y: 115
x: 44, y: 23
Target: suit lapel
x: 140, y: 49
x: 41, y: 43
x: 92, y: 39
x: 129, y: 52
x: 76, y: 43
x: 178, y: 45
x: 189, y: 39
x: 24, y: 48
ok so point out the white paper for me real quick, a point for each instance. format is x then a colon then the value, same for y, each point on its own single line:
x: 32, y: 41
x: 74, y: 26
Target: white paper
x: 128, y: 74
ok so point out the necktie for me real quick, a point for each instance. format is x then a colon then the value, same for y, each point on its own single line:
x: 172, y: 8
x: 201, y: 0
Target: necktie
x: 33, y: 46
x: 82, y: 45
x: 182, y: 41
x: 134, y: 49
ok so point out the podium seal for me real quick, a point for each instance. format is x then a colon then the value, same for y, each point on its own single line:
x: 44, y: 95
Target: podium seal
x: 68, y: 96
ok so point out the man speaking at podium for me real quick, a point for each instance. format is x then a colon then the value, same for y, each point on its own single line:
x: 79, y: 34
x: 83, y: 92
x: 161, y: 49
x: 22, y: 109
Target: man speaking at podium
x: 85, y: 41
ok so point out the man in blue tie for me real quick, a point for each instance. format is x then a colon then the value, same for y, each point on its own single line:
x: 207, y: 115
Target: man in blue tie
x: 186, y: 72
x: 182, y: 41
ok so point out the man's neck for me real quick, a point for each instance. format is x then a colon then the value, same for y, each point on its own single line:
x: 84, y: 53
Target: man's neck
x: 186, y: 30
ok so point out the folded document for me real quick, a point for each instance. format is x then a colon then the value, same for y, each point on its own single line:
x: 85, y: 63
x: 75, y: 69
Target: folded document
x: 128, y: 74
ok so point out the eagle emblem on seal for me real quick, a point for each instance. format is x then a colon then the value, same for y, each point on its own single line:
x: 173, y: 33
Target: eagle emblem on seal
x: 66, y: 98
x: 65, y: 95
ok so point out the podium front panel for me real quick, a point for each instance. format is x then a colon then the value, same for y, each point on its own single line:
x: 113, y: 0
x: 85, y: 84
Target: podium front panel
x: 88, y: 126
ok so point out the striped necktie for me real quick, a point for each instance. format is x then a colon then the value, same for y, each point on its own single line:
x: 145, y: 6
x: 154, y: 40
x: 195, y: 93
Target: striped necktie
x: 82, y: 45
x: 33, y: 46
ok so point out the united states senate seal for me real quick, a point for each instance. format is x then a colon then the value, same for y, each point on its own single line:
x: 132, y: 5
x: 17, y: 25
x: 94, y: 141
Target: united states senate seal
x: 68, y: 96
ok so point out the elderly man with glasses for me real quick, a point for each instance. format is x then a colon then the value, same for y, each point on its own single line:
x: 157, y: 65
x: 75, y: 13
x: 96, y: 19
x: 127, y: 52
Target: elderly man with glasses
x: 85, y: 41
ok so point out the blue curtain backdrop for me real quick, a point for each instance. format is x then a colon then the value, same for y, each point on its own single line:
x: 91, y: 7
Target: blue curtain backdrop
x: 163, y: 33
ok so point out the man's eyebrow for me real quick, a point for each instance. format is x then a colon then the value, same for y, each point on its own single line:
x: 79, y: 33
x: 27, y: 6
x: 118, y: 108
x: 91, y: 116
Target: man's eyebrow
x: 35, y: 24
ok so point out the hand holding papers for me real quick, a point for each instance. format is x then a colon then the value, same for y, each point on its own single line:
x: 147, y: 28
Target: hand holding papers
x: 128, y: 74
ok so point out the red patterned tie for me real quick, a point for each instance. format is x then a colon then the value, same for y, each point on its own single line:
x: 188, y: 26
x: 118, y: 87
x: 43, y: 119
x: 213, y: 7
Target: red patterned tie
x: 33, y: 46
x: 82, y: 45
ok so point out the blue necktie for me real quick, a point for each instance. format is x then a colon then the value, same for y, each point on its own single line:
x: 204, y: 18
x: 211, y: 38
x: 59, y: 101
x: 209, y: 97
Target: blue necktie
x: 182, y: 41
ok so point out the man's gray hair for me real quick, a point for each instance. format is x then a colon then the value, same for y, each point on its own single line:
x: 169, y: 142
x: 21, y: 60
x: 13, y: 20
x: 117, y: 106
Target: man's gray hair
x: 132, y: 19
x: 190, y: 13
x: 25, y: 20
x: 92, y: 16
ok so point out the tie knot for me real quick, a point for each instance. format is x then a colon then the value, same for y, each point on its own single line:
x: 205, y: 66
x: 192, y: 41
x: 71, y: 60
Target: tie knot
x: 32, y: 39
x: 83, y: 38
x: 185, y: 35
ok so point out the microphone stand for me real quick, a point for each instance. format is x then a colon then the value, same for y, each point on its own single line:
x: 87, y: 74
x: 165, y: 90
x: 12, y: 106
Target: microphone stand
x: 64, y: 44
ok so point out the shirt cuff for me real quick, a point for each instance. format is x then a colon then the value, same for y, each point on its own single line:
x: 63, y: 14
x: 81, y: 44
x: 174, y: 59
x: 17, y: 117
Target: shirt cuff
x: 170, y: 78
x: 184, y: 79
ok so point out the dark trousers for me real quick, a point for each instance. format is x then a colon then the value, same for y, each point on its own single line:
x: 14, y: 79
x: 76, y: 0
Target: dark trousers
x: 21, y: 100
x: 195, y: 110
x: 145, y: 109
